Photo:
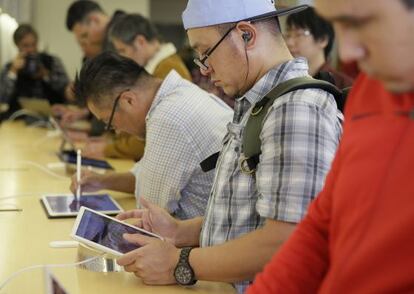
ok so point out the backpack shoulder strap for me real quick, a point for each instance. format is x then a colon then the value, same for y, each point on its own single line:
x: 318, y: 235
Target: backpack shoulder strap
x: 251, y: 145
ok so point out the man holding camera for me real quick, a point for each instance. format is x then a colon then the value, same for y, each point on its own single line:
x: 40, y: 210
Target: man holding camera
x: 31, y: 74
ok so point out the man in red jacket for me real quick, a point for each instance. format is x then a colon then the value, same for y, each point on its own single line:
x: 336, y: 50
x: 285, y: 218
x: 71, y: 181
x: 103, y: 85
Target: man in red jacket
x: 358, y: 234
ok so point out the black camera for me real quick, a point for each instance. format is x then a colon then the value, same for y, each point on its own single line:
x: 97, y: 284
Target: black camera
x: 32, y: 65
x: 34, y: 62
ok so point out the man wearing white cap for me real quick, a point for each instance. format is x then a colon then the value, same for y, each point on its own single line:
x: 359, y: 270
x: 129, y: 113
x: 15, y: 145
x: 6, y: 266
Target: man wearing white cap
x: 249, y: 215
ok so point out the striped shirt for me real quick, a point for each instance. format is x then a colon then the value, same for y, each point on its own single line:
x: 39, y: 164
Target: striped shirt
x: 184, y: 126
x: 299, y: 138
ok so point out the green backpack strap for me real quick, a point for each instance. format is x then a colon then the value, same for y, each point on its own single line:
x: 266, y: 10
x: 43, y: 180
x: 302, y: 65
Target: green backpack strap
x: 251, y: 145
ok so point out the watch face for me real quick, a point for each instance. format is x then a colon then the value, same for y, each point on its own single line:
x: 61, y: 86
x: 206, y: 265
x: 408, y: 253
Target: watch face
x: 183, y: 274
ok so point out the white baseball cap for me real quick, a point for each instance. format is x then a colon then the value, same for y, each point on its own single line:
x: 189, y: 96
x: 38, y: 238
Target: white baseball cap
x: 203, y: 13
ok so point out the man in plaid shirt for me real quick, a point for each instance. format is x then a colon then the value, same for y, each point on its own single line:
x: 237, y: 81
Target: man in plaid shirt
x: 248, y: 216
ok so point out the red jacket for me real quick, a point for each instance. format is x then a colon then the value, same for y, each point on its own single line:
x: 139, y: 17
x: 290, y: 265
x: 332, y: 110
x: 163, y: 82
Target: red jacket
x: 358, y: 235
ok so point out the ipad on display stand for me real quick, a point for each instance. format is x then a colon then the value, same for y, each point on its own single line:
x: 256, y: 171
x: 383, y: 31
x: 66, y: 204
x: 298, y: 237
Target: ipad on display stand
x: 61, y: 206
x: 105, y: 233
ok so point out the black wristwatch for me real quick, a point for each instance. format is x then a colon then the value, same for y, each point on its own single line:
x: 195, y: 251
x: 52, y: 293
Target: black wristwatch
x: 184, y: 273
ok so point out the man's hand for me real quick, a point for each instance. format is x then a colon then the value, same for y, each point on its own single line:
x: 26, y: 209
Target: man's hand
x: 42, y: 73
x: 18, y: 63
x: 69, y: 92
x: 58, y: 109
x: 90, y: 182
x: 71, y: 115
x: 154, y: 219
x: 95, y: 147
x: 154, y: 262
x: 77, y: 136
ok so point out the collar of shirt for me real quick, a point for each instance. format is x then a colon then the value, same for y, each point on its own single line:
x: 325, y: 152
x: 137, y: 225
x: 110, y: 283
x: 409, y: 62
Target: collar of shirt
x: 285, y: 71
x: 171, y: 81
x: 297, y: 67
x: 165, y: 51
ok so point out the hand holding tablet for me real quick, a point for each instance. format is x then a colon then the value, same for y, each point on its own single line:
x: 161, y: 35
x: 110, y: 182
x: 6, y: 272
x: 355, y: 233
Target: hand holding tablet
x: 105, y: 233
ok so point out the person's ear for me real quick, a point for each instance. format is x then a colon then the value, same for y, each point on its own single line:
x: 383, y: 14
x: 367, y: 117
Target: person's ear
x: 128, y: 100
x: 323, y: 42
x: 140, y: 41
x: 247, y: 33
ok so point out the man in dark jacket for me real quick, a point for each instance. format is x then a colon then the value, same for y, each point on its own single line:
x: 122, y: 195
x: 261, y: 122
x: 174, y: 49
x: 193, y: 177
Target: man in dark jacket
x: 30, y: 73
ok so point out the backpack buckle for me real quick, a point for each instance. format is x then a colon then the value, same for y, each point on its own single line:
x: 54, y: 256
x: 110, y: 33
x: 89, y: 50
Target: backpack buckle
x: 256, y: 110
x: 244, y: 165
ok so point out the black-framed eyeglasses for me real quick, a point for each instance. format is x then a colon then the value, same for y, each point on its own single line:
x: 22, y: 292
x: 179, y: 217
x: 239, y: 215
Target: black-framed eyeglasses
x: 109, y: 124
x: 201, y: 62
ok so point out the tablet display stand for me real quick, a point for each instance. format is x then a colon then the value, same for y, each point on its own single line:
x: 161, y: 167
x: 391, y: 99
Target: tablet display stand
x: 104, y: 264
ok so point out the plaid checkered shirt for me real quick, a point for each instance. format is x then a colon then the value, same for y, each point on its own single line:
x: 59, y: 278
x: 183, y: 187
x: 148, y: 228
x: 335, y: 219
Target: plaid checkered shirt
x: 299, y: 138
x: 184, y: 126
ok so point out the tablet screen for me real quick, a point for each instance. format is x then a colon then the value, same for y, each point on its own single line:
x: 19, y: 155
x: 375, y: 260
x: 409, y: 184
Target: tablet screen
x: 66, y: 205
x: 69, y: 156
x: 106, y: 232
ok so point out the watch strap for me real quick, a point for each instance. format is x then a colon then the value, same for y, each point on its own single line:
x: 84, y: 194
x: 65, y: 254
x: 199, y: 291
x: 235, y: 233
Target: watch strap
x: 184, y: 260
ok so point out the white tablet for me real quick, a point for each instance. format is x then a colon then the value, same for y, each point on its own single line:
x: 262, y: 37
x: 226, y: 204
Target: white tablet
x: 104, y: 233
x: 37, y: 105
x: 58, y: 206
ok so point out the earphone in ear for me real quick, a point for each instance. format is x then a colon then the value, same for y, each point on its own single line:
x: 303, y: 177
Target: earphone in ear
x: 246, y: 36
